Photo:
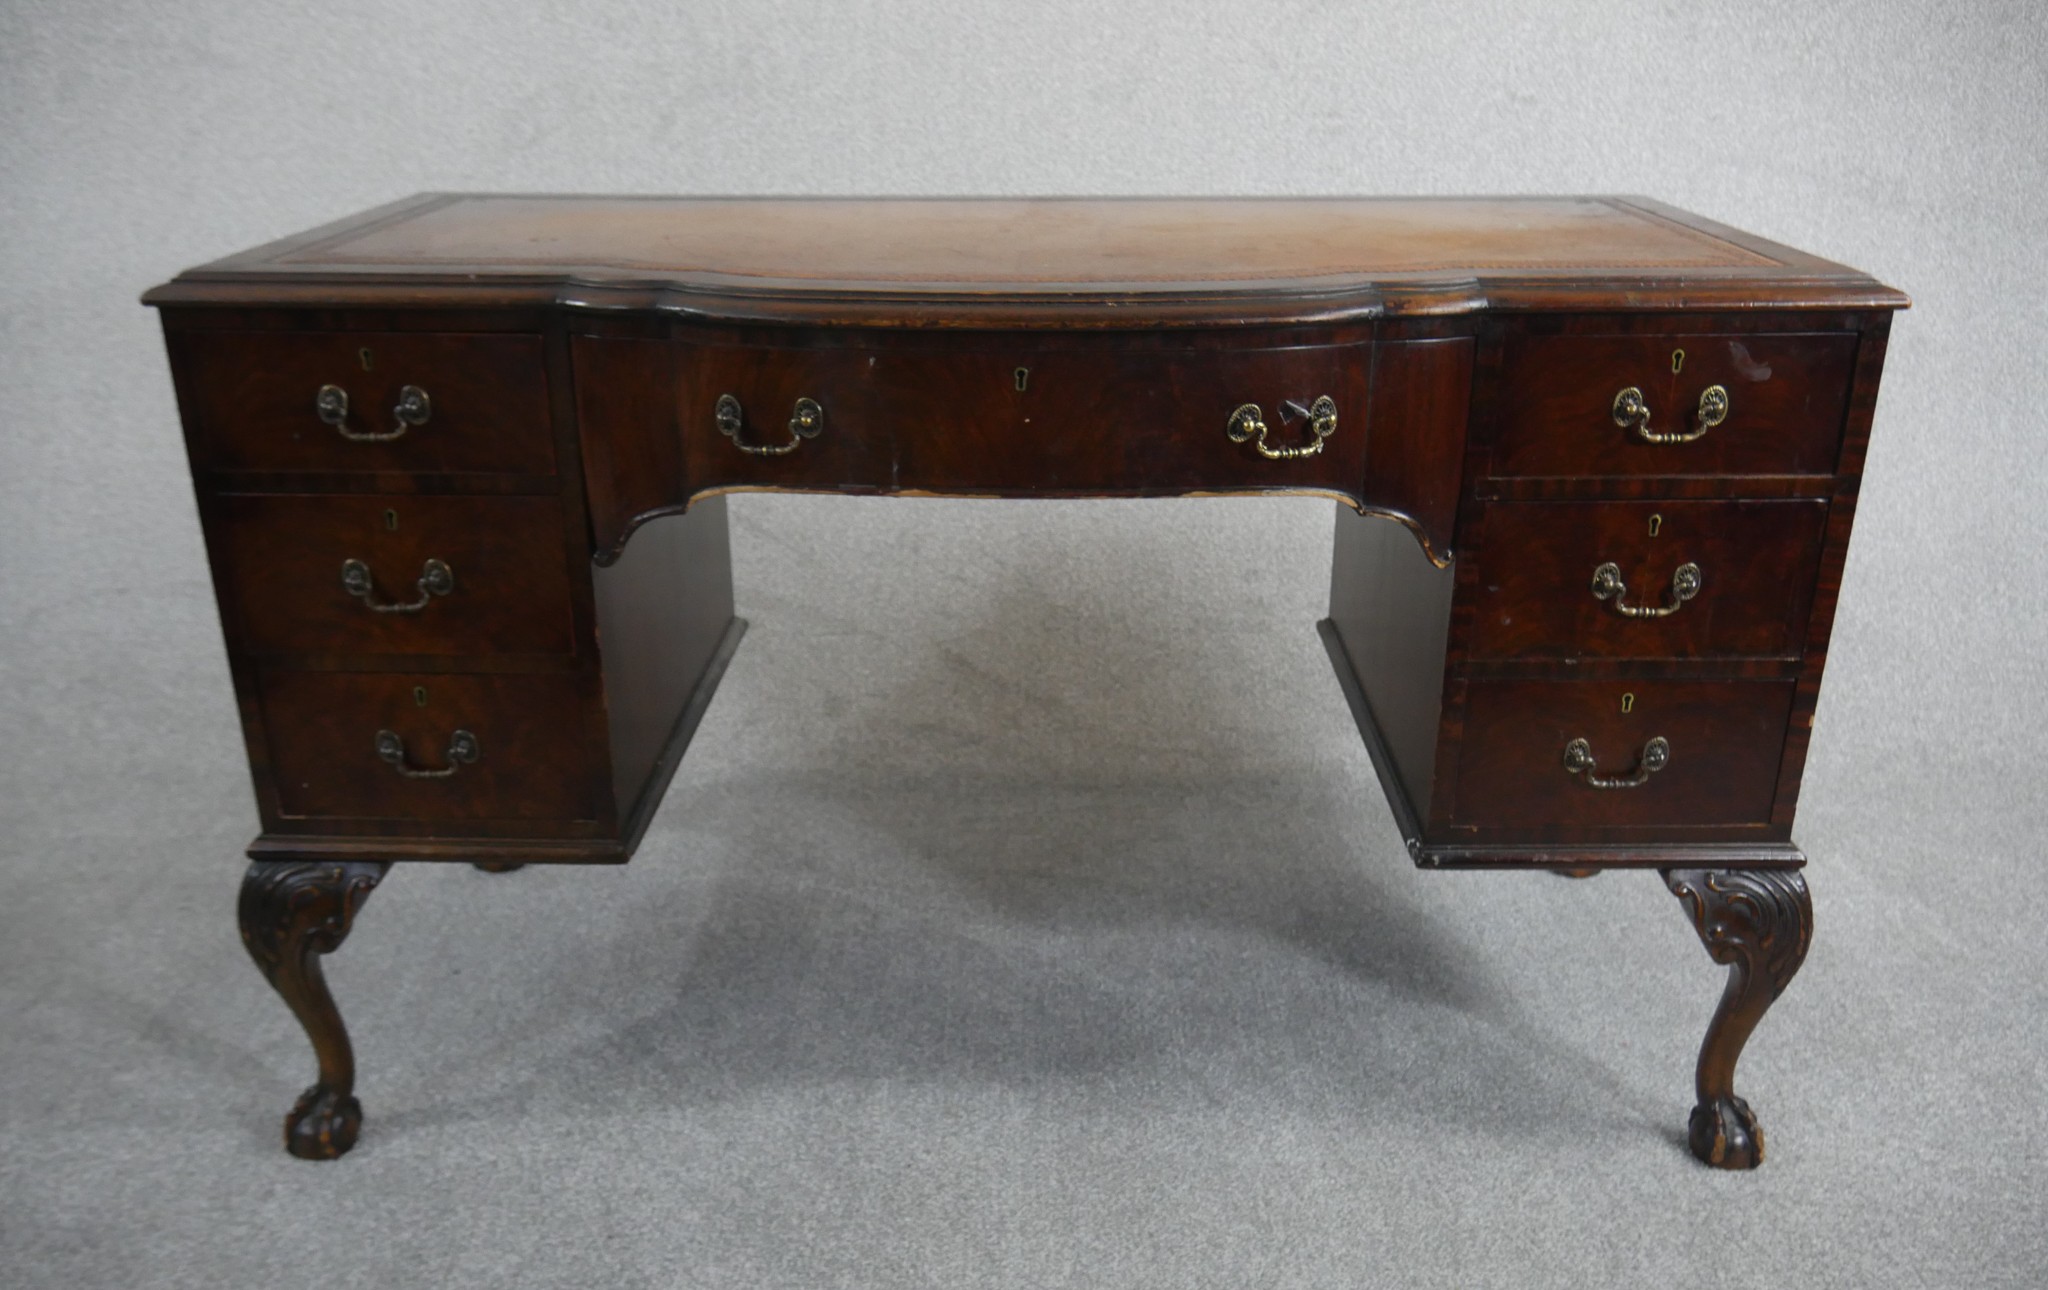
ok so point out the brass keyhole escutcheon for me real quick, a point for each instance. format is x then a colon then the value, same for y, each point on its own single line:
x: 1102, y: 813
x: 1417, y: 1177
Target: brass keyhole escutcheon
x: 1677, y: 361
x: 1628, y: 702
x: 1022, y: 375
x: 1656, y: 523
x: 364, y: 354
x: 391, y: 521
x: 419, y: 696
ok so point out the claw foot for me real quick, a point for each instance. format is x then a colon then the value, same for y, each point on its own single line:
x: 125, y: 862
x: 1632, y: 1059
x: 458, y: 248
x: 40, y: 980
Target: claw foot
x: 323, y: 1124
x: 1725, y: 1134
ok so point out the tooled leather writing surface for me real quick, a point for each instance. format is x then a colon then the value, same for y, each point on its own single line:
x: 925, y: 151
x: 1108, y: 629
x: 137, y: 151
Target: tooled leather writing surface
x: 1059, y: 261
x: 1045, y: 243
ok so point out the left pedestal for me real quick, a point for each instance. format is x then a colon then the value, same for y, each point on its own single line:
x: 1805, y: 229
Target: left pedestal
x: 292, y: 912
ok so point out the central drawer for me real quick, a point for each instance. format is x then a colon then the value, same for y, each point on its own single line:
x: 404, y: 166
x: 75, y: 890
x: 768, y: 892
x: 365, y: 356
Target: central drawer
x: 981, y: 416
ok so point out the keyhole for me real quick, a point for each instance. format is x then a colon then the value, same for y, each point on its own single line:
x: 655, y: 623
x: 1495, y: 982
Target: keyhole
x: 1656, y: 523
x: 391, y: 521
x: 1628, y: 702
x: 419, y: 696
x: 1022, y: 374
x: 1677, y: 360
x: 364, y: 354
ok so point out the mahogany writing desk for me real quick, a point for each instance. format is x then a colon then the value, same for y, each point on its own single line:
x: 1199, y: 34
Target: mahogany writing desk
x: 1597, y: 458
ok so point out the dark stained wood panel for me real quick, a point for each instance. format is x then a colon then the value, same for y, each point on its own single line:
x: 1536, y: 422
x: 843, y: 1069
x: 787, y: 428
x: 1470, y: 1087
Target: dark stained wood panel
x: 627, y: 412
x: 1786, y: 396
x: 536, y: 761
x: 251, y: 397
x: 1391, y: 609
x: 1099, y: 418
x: 1725, y: 738
x: 1415, y: 442
x: 662, y: 611
x: 284, y: 553
x: 1534, y: 596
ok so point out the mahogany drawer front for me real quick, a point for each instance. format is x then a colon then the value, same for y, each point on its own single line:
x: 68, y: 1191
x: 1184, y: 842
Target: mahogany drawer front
x: 1749, y: 566
x: 980, y: 417
x: 736, y: 405
x: 1786, y: 399
x: 302, y: 573
x: 1723, y: 742
x: 534, y: 755
x: 255, y: 398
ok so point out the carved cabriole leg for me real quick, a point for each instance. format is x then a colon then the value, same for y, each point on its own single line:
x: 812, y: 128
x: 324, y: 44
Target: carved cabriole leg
x: 291, y: 913
x: 1758, y: 922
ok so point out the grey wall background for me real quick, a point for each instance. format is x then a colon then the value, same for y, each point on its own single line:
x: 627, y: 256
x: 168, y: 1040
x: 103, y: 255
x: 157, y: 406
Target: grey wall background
x: 1026, y: 913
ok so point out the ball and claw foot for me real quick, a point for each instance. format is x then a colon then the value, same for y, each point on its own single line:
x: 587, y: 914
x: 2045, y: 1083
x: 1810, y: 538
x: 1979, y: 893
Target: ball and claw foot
x: 323, y: 1124
x: 1726, y: 1135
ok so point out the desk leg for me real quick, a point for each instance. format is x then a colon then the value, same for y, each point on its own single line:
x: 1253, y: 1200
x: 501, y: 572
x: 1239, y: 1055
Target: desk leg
x: 291, y: 912
x: 1758, y: 922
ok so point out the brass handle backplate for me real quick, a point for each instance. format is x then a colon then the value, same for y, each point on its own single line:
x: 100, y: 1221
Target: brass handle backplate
x: 414, y: 407
x: 462, y: 750
x: 1686, y: 581
x: 1578, y: 760
x: 1632, y: 412
x: 436, y: 579
x: 1247, y: 422
x: 806, y: 421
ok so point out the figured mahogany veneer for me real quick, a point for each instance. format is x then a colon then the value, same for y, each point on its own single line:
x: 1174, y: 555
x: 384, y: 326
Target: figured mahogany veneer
x: 1786, y: 394
x: 987, y: 412
x: 1722, y: 777
x: 478, y: 617
x: 250, y: 397
x: 509, y: 583
x: 537, y: 755
x: 1534, y: 595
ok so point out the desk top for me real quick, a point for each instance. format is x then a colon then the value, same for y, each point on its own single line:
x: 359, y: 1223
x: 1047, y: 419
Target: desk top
x: 1037, y: 261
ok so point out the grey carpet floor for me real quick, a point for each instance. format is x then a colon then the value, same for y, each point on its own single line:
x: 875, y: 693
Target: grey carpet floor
x: 1029, y: 919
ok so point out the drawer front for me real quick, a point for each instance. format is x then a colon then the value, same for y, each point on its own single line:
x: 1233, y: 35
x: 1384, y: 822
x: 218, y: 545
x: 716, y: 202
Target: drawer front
x: 368, y: 574
x: 1785, y: 400
x: 256, y: 399
x: 534, y: 757
x: 1723, y: 742
x: 738, y: 408
x: 1724, y: 579
x: 1086, y: 418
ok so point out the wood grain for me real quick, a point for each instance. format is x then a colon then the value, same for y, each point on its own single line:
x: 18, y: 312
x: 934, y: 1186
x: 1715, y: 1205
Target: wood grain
x: 1786, y: 395
x: 1534, y: 599
x: 251, y: 400
x: 284, y: 553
